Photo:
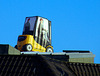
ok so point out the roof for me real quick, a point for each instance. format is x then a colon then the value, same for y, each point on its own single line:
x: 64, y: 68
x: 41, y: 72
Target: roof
x: 74, y: 69
x: 37, y: 65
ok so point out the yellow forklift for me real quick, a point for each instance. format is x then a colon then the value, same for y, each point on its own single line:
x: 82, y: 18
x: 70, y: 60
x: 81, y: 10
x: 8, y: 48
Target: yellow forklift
x: 36, y: 35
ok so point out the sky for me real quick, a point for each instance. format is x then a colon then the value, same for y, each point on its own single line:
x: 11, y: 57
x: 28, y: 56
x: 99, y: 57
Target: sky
x: 75, y: 23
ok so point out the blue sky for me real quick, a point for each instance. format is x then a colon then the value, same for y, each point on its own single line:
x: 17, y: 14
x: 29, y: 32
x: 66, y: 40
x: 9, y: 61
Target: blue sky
x: 75, y: 23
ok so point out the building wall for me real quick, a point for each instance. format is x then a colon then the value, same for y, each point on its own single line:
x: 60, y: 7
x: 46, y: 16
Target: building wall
x: 82, y: 60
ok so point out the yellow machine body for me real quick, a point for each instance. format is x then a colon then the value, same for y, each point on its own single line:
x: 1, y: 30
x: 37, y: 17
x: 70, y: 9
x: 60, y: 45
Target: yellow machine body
x: 36, y: 35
